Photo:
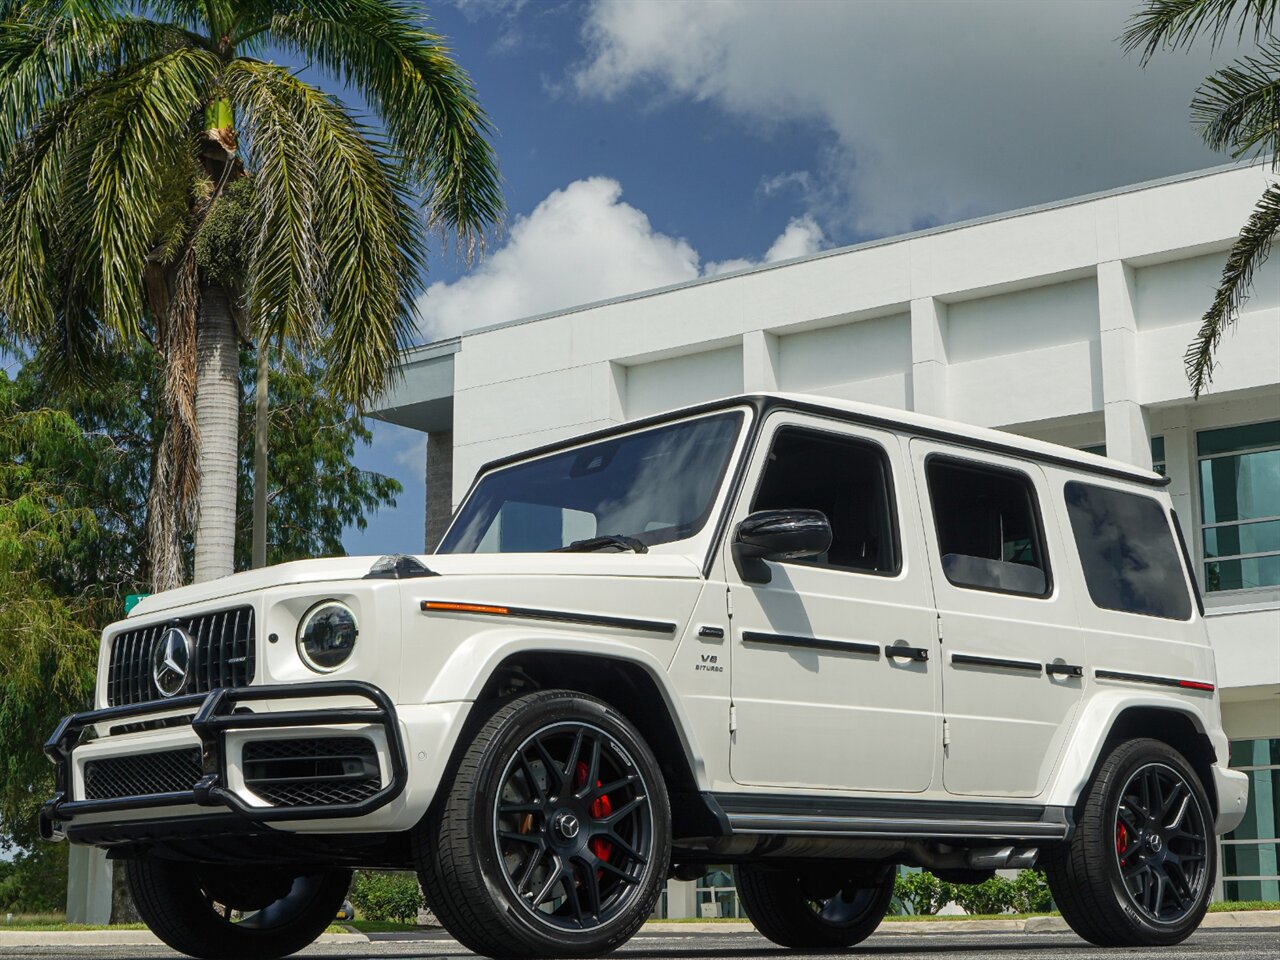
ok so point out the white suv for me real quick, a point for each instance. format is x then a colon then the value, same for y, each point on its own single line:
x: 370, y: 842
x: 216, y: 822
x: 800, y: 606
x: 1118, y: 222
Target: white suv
x: 809, y: 638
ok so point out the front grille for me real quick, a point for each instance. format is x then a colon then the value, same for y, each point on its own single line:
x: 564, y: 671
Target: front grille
x: 223, y: 656
x: 142, y: 774
x: 316, y: 770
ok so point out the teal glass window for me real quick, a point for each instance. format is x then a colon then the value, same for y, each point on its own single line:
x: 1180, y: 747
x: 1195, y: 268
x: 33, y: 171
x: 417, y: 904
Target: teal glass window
x: 1251, y: 852
x: 1157, y: 455
x: 1240, y: 505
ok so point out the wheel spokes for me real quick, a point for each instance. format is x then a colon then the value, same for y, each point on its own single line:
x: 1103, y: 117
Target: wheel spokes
x: 1165, y: 843
x: 573, y: 826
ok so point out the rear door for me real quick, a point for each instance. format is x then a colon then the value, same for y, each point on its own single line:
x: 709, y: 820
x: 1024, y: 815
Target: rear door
x: 1012, y: 654
x: 818, y: 701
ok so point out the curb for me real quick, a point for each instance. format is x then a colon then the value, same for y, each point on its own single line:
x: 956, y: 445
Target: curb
x: 119, y: 938
x: 1239, y: 920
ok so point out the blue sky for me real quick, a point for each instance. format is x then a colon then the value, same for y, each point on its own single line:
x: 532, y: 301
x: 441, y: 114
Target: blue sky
x: 644, y: 142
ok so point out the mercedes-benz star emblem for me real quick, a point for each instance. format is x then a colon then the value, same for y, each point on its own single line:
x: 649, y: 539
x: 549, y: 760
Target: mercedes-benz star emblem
x: 567, y: 825
x: 171, y: 661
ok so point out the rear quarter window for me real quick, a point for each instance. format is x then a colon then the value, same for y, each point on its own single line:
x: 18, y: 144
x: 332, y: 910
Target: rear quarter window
x: 1128, y: 553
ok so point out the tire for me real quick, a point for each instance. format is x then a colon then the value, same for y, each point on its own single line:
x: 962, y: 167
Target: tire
x: 816, y: 909
x: 281, y: 910
x: 521, y: 856
x: 1116, y: 885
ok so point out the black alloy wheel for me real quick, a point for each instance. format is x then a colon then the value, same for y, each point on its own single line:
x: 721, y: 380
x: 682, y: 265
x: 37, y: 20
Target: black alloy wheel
x: 823, y: 906
x: 845, y: 907
x: 1161, y: 843
x: 573, y: 825
x: 245, y: 913
x: 1138, y: 869
x: 550, y: 836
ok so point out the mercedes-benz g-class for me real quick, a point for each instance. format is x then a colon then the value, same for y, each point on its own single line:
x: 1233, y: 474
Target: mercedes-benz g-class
x: 812, y: 639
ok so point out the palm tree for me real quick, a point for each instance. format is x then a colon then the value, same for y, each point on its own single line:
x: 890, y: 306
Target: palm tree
x: 162, y: 178
x: 1237, y: 110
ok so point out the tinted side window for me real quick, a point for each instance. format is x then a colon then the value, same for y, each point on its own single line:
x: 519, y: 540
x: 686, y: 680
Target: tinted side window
x: 1128, y: 553
x: 848, y: 480
x: 988, y: 528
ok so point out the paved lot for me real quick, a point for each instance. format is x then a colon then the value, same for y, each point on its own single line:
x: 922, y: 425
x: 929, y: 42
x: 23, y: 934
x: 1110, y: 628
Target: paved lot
x: 1232, y: 944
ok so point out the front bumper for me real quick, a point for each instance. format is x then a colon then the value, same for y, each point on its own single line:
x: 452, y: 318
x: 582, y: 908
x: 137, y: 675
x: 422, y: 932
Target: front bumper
x: 217, y: 713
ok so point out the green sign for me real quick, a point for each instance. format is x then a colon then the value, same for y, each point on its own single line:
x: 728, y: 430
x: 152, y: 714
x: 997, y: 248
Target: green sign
x: 132, y: 600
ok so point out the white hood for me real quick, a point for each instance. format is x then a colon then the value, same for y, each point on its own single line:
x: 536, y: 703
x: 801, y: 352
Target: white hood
x: 481, y: 564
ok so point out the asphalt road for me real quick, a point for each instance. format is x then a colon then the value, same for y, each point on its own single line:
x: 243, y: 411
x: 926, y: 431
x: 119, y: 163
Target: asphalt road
x: 1232, y: 944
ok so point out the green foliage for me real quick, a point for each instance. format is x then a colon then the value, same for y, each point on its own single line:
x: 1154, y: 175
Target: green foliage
x: 386, y: 896
x: 1237, y: 110
x: 314, y: 489
x: 922, y: 892
x: 47, y: 528
x: 35, y: 880
x: 1031, y: 892
x: 994, y: 895
x: 75, y: 468
x: 224, y: 239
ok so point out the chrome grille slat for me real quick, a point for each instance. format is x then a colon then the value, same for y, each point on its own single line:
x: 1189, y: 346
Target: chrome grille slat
x: 222, y: 649
x: 223, y: 644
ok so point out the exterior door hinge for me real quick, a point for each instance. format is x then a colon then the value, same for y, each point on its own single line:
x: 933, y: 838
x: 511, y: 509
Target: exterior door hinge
x: 728, y: 602
x: 939, y: 628
x: 946, y: 733
x: 733, y: 718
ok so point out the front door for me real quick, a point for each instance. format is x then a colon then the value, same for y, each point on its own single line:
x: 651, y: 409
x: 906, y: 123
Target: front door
x: 833, y: 662
x: 1011, y: 649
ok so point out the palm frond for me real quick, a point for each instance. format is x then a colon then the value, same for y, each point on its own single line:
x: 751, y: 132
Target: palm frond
x: 368, y: 239
x: 143, y: 132
x: 1238, y: 107
x: 1249, y: 252
x: 286, y: 279
x: 1170, y: 24
x: 31, y: 193
x: 425, y: 100
x: 43, y: 59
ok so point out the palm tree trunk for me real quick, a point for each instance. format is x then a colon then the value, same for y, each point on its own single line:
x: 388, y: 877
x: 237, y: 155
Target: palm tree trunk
x: 217, y: 414
x: 260, y: 429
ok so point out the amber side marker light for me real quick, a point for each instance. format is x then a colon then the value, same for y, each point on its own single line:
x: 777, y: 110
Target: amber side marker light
x: 463, y: 607
x: 1195, y: 685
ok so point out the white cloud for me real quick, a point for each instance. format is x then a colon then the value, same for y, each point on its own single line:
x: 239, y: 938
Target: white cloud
x: 580, y: 244
x: 938, y: 110
x: 802, y: 237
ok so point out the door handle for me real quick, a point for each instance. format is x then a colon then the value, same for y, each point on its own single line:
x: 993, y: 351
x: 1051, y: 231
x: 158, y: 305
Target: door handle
x: 1065, y: 669
x: 900, y: 652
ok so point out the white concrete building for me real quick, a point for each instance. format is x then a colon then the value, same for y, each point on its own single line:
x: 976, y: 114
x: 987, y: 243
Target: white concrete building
x: 1066, y: 322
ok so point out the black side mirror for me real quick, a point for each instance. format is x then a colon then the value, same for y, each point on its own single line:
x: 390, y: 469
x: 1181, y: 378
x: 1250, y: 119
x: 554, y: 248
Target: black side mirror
x: 778, y: 535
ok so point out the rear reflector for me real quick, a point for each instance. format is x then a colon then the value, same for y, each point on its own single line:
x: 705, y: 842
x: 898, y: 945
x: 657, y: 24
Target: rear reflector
x: 1195, y: 685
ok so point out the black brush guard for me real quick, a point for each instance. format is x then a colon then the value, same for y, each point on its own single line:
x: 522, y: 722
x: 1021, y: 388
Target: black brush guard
x: 215, y: 714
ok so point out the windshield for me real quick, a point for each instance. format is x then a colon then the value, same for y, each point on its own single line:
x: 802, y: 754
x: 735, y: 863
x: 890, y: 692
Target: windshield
x: 655, y: 486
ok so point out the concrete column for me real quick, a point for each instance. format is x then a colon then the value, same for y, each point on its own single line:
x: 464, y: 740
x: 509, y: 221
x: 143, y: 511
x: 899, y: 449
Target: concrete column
x: 1180, y: 467
x: 929, y: 356
x: 682, y: 899
x: 761, y: 368
x: 439, y: 486
x: 88, y: 885
x: 1128, y: 434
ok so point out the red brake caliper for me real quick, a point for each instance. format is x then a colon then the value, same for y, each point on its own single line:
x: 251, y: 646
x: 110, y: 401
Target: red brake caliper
x: 600, y: 809
x: 1122, y: 839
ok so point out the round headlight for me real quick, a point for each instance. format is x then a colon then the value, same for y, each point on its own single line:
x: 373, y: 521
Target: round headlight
x: 327, y: 635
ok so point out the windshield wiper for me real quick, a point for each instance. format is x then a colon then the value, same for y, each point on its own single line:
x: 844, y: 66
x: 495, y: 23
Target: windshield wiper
x: 614, y: 540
